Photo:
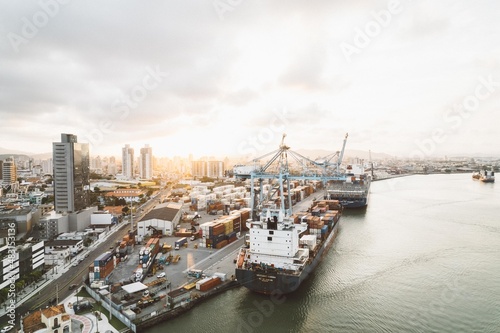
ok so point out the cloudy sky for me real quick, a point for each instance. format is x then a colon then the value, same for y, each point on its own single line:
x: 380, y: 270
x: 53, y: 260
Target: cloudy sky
x: 228, y: 77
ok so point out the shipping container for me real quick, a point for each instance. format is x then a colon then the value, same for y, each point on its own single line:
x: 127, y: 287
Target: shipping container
x: 213, y: 282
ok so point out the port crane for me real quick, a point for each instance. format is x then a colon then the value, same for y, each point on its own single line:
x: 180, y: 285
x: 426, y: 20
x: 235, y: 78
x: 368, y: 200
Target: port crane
x: 278, y: 168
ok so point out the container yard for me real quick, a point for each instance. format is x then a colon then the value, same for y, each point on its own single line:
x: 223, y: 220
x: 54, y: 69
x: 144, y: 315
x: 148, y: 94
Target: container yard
x: 154, y: 277
x: 164, y: 276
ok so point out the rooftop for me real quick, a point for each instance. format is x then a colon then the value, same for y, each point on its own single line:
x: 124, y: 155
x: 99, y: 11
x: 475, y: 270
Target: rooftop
x: 166, y: 211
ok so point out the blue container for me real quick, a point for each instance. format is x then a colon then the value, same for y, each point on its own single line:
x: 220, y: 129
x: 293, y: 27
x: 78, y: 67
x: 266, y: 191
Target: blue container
x: 324, y: 230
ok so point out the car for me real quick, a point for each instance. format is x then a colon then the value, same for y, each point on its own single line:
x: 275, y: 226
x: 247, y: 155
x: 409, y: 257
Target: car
x: 86, y: 255
x: 72, y: 286
x: 5, y: 329
x: 80, y: 260
x: 75, y: 264
x: 161, y: 275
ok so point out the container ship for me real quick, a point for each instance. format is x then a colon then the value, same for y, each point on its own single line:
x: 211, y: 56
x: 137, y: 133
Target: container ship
x: 284, y: 250
x: 353, y: 192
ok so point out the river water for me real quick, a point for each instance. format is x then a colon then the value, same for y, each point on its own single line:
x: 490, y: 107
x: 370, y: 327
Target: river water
x: 424, y: 256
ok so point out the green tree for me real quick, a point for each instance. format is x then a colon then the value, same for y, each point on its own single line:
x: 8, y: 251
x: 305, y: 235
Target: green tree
x: 3, y: 294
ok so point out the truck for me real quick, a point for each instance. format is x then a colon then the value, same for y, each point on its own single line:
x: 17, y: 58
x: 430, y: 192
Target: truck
x: 180, y: 242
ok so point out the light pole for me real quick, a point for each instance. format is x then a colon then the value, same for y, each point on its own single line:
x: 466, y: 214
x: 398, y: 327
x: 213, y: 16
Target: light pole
x: 131, y: 217
x: 110, y: 313
x: 96, y: 321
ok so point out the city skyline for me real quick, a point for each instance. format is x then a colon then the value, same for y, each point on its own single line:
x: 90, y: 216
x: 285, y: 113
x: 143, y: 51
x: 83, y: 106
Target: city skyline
x: 404, y: 78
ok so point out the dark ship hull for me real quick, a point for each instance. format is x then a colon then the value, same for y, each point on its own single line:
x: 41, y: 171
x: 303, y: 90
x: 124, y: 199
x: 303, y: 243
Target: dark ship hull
x: 271, y: 281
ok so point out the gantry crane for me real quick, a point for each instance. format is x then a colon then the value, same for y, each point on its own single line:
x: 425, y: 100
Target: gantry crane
x: 278, y: 168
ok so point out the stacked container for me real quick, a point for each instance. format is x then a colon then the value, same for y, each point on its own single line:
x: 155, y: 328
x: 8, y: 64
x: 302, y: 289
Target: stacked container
x: 103, y: 266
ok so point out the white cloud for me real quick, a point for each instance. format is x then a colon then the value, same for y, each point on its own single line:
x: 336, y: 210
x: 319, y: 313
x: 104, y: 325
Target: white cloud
x: 227, y: 77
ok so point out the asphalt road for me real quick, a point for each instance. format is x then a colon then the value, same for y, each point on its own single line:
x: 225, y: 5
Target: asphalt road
x: 58, y: 289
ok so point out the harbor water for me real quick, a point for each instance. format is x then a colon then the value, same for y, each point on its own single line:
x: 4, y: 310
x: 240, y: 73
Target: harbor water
x: 424, y: 256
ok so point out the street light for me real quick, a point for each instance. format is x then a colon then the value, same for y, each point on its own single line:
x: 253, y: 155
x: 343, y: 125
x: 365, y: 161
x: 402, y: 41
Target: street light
x: 110, y: 313
x: 96, y: 321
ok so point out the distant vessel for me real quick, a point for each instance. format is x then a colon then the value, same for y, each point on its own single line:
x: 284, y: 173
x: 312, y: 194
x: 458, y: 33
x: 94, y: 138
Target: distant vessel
x: 476, y: 175
x: 487, y: 176
x: 354, y: 191
x: 283, y: 250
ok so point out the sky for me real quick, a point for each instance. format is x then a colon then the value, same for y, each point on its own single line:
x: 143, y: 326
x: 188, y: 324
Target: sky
x: 228, y: 77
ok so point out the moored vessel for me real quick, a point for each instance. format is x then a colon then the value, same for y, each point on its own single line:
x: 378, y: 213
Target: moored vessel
x: 284, y: 250
x: 353, y: 192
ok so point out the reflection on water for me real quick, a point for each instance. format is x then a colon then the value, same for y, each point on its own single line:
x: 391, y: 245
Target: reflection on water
x: 422, y: 257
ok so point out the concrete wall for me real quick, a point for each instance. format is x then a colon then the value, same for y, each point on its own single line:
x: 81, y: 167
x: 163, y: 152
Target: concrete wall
x: 80, y: 220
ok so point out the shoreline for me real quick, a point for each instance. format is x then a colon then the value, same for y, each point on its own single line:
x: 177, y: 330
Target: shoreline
x: 174, y: 313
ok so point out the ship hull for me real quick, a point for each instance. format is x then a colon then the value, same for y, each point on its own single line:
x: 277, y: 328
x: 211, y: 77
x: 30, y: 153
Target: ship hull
x: 350, y: 203
x: 351, y: 199
x: 274, y: 282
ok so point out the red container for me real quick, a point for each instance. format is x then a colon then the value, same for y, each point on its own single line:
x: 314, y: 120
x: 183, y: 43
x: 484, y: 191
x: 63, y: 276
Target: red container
x: 210, y: 284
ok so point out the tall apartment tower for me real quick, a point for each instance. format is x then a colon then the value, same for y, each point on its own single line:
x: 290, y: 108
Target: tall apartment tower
x: 71, y: 162
x: 8, y: 171
x: 128, y: 162
x: 146, y: 162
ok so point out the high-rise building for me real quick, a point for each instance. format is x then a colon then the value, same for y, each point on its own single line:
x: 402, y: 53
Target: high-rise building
x: 71, y: 174
x: 9, y: 172
x: 128, y: 162
x: 146, y: 162
x: 212, y: 169
x: 47, y: 166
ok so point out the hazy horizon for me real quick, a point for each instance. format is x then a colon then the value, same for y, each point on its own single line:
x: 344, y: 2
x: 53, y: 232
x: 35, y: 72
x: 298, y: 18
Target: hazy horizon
x: 404, y: 78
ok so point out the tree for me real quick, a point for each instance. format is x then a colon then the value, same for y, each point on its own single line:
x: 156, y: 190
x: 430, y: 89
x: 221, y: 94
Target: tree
x: 125, y: 210
x: 47, y: 199
x: 4, y: 294
x: 87, y: 242
x: 120, y: 202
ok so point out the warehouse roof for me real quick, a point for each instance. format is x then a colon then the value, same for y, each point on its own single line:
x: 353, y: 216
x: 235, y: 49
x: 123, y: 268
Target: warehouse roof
x: 134, y: 287
x: 166, y: 211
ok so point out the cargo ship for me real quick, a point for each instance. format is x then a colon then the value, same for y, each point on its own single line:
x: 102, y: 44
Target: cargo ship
x: 284, y: 250
x: 487, y: 176
x: 353, y: 192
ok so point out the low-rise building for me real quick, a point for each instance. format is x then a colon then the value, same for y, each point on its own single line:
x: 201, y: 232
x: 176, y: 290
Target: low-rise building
x: 74, y: 246
x: 164, y: 218
x: 52, y: 319
x: 53, y: 224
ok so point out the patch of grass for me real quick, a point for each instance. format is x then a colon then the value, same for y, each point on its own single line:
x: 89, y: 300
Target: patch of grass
x: 115, y: 321
x: 83, y: 293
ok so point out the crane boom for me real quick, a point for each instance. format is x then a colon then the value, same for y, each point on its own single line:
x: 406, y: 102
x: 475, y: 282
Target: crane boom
x: 341, y: 155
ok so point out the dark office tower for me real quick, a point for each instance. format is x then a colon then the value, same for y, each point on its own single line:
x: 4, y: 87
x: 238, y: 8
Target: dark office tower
x: 71, y: 174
